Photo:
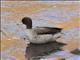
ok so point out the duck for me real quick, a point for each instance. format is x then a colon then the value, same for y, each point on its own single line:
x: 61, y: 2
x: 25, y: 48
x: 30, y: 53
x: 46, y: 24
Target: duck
x: 40, y: 35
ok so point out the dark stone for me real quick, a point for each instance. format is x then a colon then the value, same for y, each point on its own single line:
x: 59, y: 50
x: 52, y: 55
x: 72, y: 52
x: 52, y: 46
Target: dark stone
x: 76, y: 51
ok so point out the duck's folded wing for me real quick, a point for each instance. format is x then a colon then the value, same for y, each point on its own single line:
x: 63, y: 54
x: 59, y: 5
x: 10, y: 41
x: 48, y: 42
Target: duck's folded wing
x: 47, y: 30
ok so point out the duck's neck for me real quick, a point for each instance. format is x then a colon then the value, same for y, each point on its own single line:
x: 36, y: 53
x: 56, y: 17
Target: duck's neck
x: 31, y: 34
x: 29, y: 26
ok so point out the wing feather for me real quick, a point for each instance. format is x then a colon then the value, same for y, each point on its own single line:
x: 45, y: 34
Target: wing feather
x: 47, y: 30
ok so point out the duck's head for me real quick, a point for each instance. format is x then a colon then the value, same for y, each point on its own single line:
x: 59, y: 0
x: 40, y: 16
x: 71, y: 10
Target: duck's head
x: 28, y: 22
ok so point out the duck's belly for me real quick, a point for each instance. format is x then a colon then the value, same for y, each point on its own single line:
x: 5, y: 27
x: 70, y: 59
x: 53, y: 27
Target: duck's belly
x: 42, y: 39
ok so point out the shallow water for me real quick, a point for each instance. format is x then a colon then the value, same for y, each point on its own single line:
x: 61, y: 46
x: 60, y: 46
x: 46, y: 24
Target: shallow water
x: 55, y: 14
